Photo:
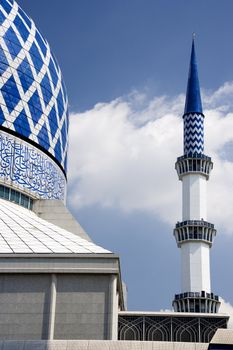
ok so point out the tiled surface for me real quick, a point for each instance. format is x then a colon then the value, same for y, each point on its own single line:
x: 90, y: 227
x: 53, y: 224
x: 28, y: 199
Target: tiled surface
x: 223, y: 336
x: 22, y: 231
x: 193, y: 134
x: 33, y: 100
x: 98, y: 345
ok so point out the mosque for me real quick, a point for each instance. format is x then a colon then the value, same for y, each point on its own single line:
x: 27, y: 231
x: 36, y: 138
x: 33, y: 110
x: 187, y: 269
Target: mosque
x: 58, y: 289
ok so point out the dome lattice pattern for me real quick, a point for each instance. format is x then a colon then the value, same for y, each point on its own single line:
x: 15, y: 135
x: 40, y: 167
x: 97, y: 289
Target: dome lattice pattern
x: 33, y: 100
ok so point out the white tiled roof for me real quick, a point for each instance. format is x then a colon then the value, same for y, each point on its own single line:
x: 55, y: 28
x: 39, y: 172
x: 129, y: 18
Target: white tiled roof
x: 223, y: 336
x: 22, y: 231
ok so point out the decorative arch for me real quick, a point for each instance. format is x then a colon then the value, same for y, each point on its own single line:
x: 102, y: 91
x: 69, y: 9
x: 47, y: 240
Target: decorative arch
x: 130, y: 332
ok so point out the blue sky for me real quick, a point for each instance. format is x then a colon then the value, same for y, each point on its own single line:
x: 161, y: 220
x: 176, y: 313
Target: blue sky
x: 107, y: 48
x: 137, y: 51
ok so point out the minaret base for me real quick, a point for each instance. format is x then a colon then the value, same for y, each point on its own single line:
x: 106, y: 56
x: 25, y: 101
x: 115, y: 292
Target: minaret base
x: 196, y: 302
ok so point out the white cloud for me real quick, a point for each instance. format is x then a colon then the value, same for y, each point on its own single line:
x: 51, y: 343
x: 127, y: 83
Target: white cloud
x: 122, y: 154
x: 227, y: 308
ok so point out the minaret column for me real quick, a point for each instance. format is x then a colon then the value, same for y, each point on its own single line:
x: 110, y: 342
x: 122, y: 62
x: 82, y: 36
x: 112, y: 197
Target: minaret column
x: 194, y: 197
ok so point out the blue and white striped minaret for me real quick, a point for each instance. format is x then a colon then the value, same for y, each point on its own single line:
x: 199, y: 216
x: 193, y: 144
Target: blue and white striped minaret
x: 194, y: 234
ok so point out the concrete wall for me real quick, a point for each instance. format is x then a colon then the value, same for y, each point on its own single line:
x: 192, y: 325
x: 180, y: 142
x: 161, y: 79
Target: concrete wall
x: 56, y: 306
x: 82, y: 307
x: 56, y: 212
x: 24, y: 306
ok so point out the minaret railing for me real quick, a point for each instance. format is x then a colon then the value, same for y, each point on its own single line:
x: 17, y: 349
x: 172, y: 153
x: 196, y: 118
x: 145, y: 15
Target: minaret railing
x: 194, y: 163
x: 194, y: 230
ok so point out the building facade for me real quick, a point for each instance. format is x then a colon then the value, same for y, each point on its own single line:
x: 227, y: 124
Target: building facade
x: 55, y: 283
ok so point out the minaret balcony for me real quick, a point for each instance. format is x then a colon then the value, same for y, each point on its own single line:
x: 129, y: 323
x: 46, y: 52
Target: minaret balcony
x: 194, y: 163
x: 194, y: 230
x: 202, y: 302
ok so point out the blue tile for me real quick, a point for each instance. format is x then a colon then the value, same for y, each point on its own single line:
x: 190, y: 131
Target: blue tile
x: 3, y: 58
x: 10, y: 93
x: 25, y: 75
x: 60, y: 105
x: 2, y: 17
x: 3, y: 61
x: 46, y: 89
x: 21, y: 124
x: 7, y: 7
x: 35, y: 107
x: 53, y: 73
x: 57, y: 151
x: 53, y: 122
x: 41, y: 43
x: 36, y: 57
x: 43, y: 137
x: 3, y: 67
x: 2, y: 117
x: 24, y: 32
x: 12, y: 42
x: 25, y: 17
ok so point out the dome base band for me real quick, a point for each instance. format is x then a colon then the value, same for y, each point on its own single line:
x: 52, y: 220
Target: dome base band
x: 14, y: 133
x: 25, y: 168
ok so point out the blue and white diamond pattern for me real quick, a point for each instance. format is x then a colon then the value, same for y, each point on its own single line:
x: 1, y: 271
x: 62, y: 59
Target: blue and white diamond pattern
x: 33, y: 99
x: 193, y: 134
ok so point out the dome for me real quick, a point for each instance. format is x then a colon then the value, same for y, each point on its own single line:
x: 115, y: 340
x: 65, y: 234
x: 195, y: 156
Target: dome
x: 33, y: 105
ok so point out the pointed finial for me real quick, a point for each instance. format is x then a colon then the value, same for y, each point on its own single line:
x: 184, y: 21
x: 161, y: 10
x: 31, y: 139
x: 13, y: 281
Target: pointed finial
x: 193, y: 96
x: 194, y: 34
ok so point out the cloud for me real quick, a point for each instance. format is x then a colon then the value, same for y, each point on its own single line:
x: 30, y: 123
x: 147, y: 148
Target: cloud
x: 227, y: 308
x: 122, y: 154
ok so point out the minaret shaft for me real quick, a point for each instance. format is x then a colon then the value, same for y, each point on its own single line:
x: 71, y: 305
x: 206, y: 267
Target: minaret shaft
x: 194, y: 255
x: 195, y: 267
x: 194, y: 197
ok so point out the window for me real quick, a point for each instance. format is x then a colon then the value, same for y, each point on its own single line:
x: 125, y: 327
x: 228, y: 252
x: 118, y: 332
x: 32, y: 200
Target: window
x: 16, y: 197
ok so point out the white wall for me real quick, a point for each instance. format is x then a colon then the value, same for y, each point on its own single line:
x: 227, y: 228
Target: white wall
x: 194, y: 197
x: 195, y: 267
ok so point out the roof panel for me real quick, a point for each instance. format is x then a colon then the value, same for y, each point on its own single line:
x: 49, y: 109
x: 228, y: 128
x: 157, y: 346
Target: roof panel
x: 22, y: 231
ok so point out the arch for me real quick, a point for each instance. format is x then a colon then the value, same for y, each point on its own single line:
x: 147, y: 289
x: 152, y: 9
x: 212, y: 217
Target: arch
x: 158, y: 333
x: 184, y: 332
x: 185, y: 336
x: 129, y: 332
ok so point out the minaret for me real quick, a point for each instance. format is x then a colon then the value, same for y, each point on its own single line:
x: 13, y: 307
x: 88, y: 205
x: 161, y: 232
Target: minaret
x: 194, y: 235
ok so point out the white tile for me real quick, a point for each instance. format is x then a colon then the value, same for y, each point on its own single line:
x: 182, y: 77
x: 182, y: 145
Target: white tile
x: 22, y: 231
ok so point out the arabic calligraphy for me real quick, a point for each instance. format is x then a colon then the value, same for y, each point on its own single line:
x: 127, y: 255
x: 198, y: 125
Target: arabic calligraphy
x: 30, y: 169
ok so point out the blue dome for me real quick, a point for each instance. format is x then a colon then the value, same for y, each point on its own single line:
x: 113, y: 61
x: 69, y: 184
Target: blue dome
x: 33, y: 99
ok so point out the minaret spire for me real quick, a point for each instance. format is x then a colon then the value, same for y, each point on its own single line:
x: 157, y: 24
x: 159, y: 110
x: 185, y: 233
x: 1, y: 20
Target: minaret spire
x: 193, y: 96
x: 194, y: 234
x: 193, y: 115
